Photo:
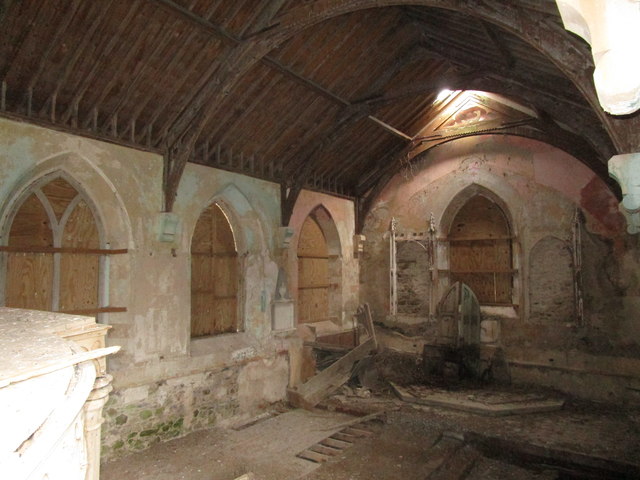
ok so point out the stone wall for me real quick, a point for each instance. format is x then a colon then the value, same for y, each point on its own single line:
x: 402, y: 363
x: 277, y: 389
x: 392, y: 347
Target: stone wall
x: 551, y: 282
x: 539, y: 188
x: 137, y: 417
x: 166, y: 383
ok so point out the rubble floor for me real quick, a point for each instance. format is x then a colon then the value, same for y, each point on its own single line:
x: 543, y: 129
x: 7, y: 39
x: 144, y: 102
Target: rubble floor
x: 407, y: 441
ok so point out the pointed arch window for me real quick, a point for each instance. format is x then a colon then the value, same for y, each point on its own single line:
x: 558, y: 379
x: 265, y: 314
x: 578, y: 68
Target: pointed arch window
x: 313, y: 273
x: 53, y: 248
x: 214, y: 275
x: 480, y: 251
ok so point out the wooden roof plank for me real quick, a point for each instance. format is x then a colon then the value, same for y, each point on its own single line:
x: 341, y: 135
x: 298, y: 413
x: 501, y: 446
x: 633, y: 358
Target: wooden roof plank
x: 52, y: 44
x: 105, y: 50
x: 17, y: 45
x: 78, y: 53
x: 159, y: 43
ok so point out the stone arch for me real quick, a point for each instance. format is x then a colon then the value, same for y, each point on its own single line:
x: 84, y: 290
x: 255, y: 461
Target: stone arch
x: 105, y: 200
x: 464, y: 195
x: 329, y: 269
x: 63, y: 273
x: 215, y: 305
x: 480, y: 245
x: 246, y: 225
x: 248, y: 236
x: 551, y: 285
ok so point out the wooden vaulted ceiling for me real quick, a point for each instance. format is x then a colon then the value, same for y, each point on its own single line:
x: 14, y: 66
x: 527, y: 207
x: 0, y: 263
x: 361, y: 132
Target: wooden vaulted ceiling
x: 328, y: 95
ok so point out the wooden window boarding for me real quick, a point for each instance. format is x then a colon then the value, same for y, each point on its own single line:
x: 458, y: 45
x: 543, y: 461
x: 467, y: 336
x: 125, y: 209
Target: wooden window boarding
x: 480, y: 251
x: 54, y: 256
x: 313, y: 274
x: 214, y: 275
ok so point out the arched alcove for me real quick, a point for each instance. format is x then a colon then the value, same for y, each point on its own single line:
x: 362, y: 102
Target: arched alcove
x: 480, y: 245
x: 214, y: 275
x: 319, y: 269
x: 53, y: 249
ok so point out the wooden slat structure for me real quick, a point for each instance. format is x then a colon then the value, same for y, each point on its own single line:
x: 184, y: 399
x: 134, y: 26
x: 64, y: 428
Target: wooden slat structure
x: 480, y: 251
x: 53, y: 252
x: 214, y: 275
x: 328, y: 95
x: 313, y: 274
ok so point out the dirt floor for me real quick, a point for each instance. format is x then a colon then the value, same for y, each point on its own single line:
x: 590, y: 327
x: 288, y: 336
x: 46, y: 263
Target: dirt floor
x: 407, y: 441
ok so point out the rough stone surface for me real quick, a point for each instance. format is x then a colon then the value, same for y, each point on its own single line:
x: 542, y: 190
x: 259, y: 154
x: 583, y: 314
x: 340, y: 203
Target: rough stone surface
x: 539, y: 188
x: 551, y: 281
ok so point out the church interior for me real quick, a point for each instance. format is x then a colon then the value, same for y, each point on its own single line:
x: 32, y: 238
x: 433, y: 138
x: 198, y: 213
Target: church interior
x: 319, y: 239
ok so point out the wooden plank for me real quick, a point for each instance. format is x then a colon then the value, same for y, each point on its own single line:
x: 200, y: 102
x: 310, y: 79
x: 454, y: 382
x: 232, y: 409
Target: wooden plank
x: 344, y: 437
x: 31, y: 226
x: 247, y: 476
x: 79, y: 272
x: 49, y: 250
x: 328, y: 346
x: 92, y: 311
x: 29, y: 281
x: 335, y: 443
x: 312, y: 242
x: 79, y: 282
x: 214, y: 275
x: 313, y: 273
x: 357, y: 432
x: 60, y: 195
x: 318, y: 387
x: 313, y: 456
x: 313, y: 304
x: 324, y: 450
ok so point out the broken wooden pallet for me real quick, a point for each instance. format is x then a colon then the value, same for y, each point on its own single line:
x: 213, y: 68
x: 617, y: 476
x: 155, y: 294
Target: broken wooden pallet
x: 323, y: 384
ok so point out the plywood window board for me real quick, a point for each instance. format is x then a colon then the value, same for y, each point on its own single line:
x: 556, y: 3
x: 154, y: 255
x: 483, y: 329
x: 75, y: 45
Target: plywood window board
x: 313, y: 273
x: 214, y: 275
x: 52, y: 252
x: 480, y: 251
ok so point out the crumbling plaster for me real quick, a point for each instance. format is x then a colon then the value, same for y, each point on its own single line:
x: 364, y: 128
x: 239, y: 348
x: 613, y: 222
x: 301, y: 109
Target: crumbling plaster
x: 541, y: 188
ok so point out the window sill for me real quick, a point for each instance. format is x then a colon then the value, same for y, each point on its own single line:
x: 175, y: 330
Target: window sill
x: 226, y: 345
x: 506, y: 311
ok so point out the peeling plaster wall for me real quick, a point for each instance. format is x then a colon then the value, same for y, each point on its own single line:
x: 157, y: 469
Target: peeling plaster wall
x: 541, y: 187
x: 343, y: 216
x: 165, y: 384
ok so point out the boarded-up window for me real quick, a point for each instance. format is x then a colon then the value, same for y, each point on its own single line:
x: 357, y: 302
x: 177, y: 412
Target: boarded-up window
x: 214, y: 275
x: 480, y: 251
x: 551, y: 291
x: 313, y: 274
x: 51, y: 260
